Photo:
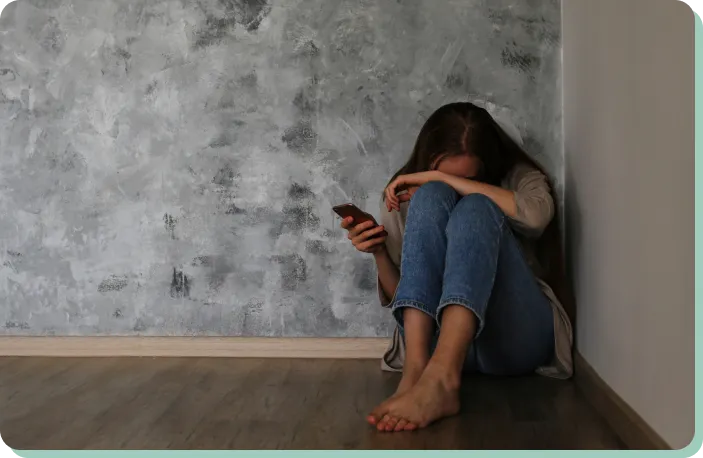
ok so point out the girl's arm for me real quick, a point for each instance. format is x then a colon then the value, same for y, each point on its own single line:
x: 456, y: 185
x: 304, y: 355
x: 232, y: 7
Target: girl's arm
x: 388, y: 274
x: 362, y: 237
x: 530, y: 207
x: 504, y: 198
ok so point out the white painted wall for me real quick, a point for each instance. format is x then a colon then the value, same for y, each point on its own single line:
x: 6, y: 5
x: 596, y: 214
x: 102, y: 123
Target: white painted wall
x: 629, y: 133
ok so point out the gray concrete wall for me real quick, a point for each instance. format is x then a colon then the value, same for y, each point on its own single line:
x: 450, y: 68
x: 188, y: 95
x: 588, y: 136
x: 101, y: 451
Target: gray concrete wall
x: 169, y: 167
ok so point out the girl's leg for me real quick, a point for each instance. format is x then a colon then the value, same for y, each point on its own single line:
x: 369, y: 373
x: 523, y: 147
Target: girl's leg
x: 418, y: 331
x: 493, y: 316
x: 420, y: 288
x: 424, y: 251
x: 488, y: 275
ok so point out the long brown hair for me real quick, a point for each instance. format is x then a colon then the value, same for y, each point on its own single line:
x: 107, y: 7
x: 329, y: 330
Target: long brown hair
x: 463, y: 128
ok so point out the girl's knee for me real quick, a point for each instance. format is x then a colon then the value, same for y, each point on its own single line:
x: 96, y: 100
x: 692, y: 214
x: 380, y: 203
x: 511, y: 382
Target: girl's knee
x: 477, y: 203
x: 435, y: 191
x: 433, y: 200
x: 475, y: 210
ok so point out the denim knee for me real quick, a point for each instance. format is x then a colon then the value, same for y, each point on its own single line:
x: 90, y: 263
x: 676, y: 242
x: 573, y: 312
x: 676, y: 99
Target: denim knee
x: 477, y: 207
x: 434, y: 194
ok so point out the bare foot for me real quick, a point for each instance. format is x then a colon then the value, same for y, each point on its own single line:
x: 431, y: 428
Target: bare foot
x: 411, y: 374
x: 409, y: 379
x: 434, y: 396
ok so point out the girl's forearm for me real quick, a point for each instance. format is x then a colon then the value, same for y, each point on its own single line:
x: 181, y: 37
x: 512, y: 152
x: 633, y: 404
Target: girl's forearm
x: 387, y: 273
x: 504, y: 198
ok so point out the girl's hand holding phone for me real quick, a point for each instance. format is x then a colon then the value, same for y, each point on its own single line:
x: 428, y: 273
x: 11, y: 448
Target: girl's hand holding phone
x: 367, y: 237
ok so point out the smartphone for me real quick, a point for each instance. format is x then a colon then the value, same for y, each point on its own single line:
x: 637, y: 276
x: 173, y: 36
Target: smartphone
x: 360, y: 216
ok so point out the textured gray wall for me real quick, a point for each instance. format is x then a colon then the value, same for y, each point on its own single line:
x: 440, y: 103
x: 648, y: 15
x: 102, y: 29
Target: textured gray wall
x: 168, y: 167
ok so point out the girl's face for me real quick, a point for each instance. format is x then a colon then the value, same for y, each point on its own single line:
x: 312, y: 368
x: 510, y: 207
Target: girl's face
x: 464, y: 166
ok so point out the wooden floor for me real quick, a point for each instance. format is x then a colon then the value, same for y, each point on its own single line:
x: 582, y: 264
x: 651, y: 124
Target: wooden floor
x: 217, y: 403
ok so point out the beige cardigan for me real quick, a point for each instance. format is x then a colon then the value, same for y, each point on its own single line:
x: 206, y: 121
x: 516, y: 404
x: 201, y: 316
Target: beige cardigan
x: 535, y: 209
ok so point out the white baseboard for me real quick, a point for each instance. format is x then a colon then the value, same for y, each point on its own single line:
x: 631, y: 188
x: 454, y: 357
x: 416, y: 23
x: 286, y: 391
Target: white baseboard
x: 227, y: 347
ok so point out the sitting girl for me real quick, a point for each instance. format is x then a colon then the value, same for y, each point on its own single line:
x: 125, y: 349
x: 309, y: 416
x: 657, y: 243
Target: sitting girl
x: 470, y: 223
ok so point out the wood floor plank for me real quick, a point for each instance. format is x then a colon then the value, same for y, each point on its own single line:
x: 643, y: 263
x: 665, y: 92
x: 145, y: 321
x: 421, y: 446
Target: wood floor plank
x: 40, y: 413
x: 5, y: 361
x: 121, y: 421
x: 23, y: 369
x: 224, y: 425
x: 208, y: 382
x: 320, y: 415
x: 222, y: 403
x: 46, y: 383
x: 33, y: 380
x: 120, y: 385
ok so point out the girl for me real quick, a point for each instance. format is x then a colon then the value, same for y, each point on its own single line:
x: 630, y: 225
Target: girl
x: 471, y: 228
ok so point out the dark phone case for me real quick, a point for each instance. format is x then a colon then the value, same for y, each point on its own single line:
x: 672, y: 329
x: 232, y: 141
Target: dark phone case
x: 347, y: 210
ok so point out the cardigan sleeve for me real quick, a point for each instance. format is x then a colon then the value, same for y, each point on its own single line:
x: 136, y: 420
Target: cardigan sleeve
x: 393, y: 224
x: 534, y: 202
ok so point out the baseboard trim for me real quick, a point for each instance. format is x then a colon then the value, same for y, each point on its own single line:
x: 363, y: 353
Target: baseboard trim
x: 632, y: 429
x: 225, y: 347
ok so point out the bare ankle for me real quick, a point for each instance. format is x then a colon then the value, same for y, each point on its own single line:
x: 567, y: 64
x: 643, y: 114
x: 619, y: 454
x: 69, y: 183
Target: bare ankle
x: 447, y: 374
x: 414, y: 369
x: 416, y: 362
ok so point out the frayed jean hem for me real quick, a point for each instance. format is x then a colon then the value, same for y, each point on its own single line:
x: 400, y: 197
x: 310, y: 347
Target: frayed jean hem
x: 398, y: 306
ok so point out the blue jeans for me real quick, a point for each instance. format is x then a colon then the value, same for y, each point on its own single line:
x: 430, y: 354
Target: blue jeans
x: 461, y: 251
